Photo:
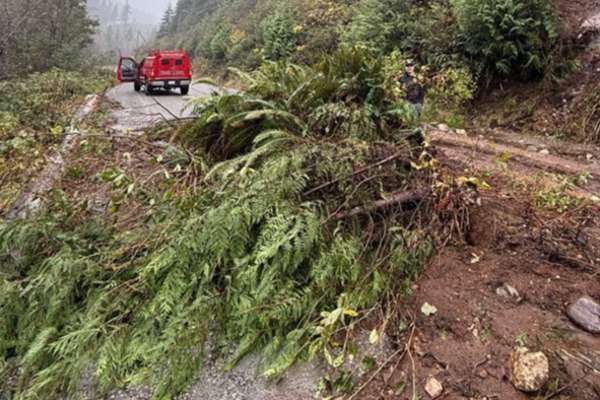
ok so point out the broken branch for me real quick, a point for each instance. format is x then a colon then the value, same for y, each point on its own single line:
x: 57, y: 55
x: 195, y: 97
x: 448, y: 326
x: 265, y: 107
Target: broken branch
x: 396, y: 198
x: 357, y: 172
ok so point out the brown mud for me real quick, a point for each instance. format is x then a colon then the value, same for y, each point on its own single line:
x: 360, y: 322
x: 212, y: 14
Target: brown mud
x: 551, y: 259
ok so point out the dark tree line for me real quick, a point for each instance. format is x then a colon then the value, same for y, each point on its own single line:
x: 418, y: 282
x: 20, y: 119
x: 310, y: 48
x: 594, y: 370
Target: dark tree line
x: 185, y: 15
x: 36, y: 35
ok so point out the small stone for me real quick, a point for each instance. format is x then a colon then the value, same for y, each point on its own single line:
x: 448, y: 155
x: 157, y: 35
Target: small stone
x: 433, y: 387
x: 532, y: 149
x: 443, y: 127
x: 462, y: 132
x: 530, y: 371
x: 483, y: 374
x: 545, y: 152
x: 585, y: 312
x: 589, y: 156
x: 508, y: 291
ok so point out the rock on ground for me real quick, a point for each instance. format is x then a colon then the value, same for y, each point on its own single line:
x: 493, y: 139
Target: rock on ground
x: 434, y: 388
x: 530, y: 371
x: 585, y: 312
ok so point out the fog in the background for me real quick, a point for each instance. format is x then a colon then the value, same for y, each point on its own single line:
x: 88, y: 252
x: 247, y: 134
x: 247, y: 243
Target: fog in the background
x: 154, y: 7
x: 125, y: 25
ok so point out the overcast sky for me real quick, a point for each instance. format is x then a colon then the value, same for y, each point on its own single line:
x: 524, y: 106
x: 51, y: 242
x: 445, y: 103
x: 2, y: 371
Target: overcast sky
x: 154, y: 7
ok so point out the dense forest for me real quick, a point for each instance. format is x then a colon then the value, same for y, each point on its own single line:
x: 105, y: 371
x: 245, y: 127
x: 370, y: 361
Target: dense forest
x: 506, y: 38
x: 313, y: 212
x: 35, y: 35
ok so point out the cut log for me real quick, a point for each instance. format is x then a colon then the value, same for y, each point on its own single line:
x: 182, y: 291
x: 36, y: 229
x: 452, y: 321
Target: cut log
x: 396, y: 198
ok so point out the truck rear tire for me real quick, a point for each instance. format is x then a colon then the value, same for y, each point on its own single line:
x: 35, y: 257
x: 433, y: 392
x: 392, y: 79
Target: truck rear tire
x: 137, y: 86
x: 149, y: 89
x: 185, y: 90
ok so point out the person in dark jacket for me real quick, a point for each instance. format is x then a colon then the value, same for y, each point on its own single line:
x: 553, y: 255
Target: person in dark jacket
x: 415, y: 93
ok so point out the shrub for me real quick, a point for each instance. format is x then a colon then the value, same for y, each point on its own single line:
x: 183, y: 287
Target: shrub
x: 507, y: 36
x: 279, y: 36
x: 220, y: 43
x: 320, y: 21
x: 448, y: 93
x: 432, y: 35
x: 347, y: 94
x: 381, y: 25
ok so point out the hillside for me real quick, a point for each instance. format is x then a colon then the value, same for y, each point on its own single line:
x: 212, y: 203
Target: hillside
x: 458, y: 56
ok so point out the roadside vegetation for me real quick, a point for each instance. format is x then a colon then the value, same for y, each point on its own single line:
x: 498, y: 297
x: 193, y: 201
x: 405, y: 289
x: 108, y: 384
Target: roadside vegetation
x: 316, y: 204
x: 497, y: 38
x: 462, y: 47
x: 35, y: 112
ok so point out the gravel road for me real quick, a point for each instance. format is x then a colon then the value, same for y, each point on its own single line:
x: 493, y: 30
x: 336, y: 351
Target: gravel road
x: 140, y: 111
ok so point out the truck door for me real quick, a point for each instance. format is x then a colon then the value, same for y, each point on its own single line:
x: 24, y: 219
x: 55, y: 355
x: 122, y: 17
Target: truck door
x: 127, y: 70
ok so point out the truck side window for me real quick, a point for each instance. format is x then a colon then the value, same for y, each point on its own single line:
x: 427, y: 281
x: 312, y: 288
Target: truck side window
x: 165, y: 61
x: 127, y: 65
x: 179, y: 62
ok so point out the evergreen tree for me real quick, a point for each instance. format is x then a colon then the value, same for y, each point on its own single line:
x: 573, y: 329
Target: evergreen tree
x: 166, y: 22
x: 114, y: 15
x: 42, y: 34
x: 183, y: 11
x: 126, y: 12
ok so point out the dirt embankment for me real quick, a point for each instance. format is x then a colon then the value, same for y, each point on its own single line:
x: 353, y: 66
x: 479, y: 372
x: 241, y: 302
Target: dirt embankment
x: 551, y: 261
x: 509, y: 284
x: 537, y: 161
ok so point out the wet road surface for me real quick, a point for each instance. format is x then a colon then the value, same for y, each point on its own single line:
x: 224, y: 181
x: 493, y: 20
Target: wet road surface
x: 139, y: 111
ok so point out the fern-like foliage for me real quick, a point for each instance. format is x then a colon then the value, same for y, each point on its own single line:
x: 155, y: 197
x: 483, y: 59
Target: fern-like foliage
x: 507, y: 36
x: 255, y: 261
x: 347, y: 94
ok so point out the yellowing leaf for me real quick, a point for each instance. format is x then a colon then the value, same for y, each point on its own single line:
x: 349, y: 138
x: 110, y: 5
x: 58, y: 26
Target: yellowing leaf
x: 474, y: 181
x: 374, y: 337
x: 428, y: 310
x: 332, y: 318
x: 327, y: 356
x: 350, y: 312
x: 339, y: 360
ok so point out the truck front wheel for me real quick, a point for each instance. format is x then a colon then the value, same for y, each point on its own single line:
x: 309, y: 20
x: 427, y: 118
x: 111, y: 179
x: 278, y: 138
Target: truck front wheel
x: 185, y: 90
x: 149, y: 89
x: 137, y: 86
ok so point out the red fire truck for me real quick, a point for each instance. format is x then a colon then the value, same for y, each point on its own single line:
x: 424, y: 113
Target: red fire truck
x: 159, y: 70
